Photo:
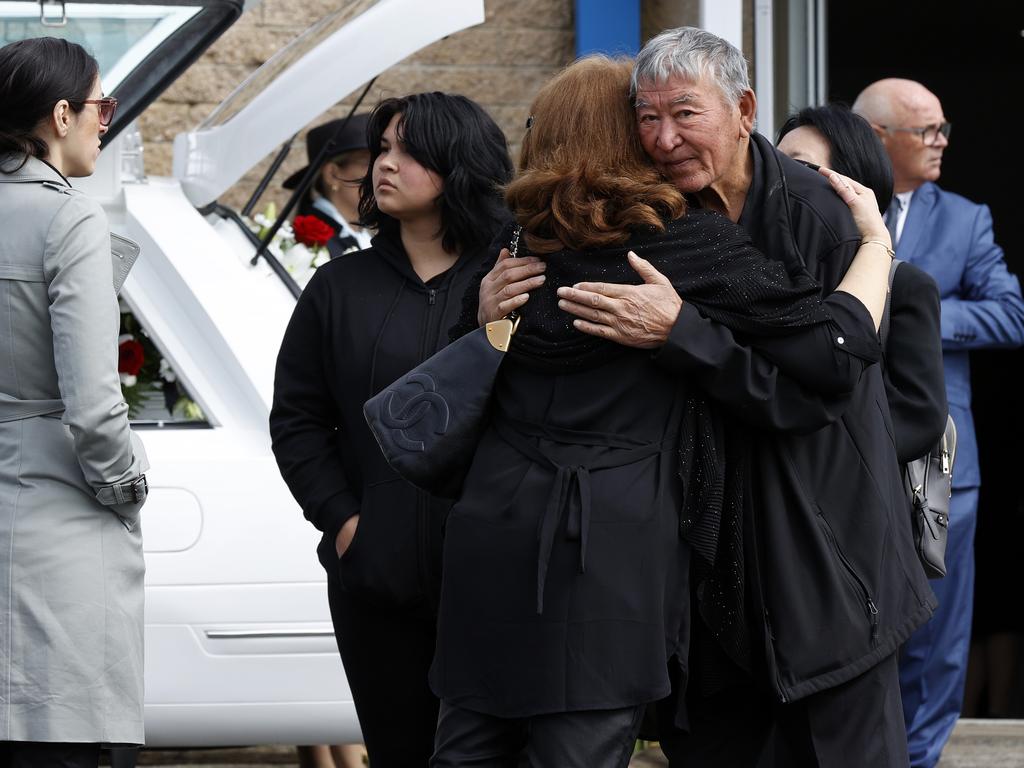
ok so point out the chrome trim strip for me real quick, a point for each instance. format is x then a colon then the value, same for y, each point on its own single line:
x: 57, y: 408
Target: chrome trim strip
x: 265, y: 634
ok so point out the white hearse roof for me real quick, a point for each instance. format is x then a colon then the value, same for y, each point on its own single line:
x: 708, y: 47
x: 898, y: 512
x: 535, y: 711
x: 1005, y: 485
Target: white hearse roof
x: 348, y: 48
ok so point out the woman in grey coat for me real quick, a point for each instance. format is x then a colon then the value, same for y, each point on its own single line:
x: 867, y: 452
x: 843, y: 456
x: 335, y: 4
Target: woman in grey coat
x: 71, y: 482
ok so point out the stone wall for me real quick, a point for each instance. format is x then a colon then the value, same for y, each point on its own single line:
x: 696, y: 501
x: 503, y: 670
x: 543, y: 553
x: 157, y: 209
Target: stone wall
x: 500, y: 63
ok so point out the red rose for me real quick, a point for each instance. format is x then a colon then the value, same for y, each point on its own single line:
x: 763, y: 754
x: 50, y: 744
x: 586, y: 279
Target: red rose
x: 130, y: 357
x: 311, y: 231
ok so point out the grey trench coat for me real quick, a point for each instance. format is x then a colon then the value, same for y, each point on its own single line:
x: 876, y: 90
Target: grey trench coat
x: 71, y: 567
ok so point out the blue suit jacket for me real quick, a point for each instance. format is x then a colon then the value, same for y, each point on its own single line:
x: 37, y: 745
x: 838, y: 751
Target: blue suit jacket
x: 950, y: 238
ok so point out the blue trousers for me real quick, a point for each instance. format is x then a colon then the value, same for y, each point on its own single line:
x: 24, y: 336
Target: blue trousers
x: 933, y: 662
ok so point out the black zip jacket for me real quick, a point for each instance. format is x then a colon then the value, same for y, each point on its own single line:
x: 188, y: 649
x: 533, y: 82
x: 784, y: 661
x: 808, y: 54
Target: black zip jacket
x: 831, y: 556
x: 363, y: 320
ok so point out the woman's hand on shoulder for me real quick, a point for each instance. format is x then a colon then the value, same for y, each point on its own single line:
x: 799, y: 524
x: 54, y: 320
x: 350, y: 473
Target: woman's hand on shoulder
x: 862, y: 204
x: 507, y: 285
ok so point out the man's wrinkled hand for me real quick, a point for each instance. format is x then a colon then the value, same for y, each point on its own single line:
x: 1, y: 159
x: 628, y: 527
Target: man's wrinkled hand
x: 507, y: 286
x: 638, y: 316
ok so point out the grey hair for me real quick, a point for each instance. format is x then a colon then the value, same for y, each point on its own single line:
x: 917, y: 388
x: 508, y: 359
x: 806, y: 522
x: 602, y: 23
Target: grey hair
x: 693, y: 54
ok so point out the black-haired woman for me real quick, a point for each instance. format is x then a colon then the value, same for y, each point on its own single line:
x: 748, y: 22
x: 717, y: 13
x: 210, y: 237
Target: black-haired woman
x: 366, y: 318
x: 71, y: 482
x: 839, y: 139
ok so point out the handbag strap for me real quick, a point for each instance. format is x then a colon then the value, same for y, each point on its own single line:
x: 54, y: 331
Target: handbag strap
x: 513, y: 252
x: 883, y: 326
x: 513, y: 248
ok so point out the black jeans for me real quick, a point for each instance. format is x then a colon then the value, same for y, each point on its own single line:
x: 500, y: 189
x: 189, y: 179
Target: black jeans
x: 601, y: 738
x: 45, y: 754
x: 387, y: 653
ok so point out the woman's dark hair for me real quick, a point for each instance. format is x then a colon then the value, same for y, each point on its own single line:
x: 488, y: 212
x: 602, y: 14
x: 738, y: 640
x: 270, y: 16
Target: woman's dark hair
x: 856, y: 150
x: 456, y: 139
x: 34, y: 75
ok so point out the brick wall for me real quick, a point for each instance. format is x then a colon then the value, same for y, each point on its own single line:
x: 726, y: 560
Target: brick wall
x: 500, y: 63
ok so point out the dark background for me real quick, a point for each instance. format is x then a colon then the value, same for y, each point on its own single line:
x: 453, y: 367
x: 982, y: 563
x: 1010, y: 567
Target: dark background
x: 971, y: 55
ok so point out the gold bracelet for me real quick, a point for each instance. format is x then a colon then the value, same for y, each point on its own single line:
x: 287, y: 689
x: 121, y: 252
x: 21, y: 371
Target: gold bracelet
x: 892, y: 253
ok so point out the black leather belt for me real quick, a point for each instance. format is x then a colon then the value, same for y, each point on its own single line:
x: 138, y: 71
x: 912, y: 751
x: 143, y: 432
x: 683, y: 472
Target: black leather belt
x: 134, y: 491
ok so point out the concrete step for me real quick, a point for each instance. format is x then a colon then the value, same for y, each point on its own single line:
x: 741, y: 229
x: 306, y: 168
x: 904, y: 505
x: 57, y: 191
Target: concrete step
x: 975, y: 744
x: 985, y: 744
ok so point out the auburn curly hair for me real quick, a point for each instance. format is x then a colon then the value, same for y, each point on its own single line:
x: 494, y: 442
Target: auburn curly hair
x: 584, y: 180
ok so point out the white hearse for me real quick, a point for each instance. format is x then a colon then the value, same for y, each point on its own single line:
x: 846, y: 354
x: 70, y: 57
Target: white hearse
x: 239, y: 644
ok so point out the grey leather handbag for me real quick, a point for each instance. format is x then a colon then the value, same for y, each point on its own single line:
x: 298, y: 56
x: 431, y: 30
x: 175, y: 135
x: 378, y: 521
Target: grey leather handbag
x: 928, y: 479
x: 929, y: 482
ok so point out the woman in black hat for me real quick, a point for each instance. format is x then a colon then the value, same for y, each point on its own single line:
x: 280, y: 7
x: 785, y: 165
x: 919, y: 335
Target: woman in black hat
x: 333, y: 197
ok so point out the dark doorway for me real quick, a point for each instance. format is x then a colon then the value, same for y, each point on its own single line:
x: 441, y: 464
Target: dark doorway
x: 970, y: 54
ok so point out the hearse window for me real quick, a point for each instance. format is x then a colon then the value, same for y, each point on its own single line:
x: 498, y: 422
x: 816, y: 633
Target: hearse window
x: 119, y: 36
x: 156, y: 395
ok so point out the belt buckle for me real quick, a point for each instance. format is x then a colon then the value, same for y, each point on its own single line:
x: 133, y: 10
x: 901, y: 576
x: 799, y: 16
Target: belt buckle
x: 139, y: 488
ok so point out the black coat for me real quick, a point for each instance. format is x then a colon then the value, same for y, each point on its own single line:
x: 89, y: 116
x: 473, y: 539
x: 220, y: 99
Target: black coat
x: 565, y: 577
x: 363, y: 320
x: 832, y: 561
x: 914, y: 378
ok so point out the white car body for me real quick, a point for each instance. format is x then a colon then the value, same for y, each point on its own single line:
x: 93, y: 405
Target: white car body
x: 239, y: 643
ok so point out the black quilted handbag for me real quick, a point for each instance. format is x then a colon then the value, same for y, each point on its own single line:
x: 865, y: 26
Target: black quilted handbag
x: 429, y: 421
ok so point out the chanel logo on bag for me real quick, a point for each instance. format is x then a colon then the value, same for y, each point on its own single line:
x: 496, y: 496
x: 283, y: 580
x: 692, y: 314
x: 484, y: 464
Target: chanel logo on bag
x: 424, y: 402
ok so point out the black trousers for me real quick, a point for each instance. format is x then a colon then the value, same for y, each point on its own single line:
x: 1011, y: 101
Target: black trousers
x: 855, y: 725
x: 387, y: 653
x: 601, y: 738
x: 46, y: 754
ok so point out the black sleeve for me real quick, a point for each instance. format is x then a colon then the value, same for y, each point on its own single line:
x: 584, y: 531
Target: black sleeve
x: 831, y: 357
x: 914, y: 380
x: 795, y: 383
x: 305, y: 424
x: 708, y: 354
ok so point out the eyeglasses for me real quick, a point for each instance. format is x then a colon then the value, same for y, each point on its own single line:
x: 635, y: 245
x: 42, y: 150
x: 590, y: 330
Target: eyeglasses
x: 106, y: 106
x: 929, y: 134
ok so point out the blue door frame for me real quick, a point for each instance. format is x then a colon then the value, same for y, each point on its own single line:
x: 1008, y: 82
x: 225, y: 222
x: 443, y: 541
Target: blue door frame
x: 607, y: 26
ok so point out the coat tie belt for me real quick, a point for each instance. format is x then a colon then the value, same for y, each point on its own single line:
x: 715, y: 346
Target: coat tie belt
x: 16, y: 409
x: 570, y: 497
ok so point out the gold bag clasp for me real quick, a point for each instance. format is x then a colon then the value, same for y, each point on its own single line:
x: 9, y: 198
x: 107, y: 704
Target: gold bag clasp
x: 499, y: 332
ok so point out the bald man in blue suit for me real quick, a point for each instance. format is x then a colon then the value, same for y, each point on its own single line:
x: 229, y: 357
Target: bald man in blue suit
x: 950, y: 238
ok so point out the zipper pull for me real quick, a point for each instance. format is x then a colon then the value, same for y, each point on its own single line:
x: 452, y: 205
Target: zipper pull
x: 432, y: 296
x: 873, y: 610
x: 945, y: 462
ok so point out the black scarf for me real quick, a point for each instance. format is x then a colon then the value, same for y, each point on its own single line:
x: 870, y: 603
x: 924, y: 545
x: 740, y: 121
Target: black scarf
x: 712, y: 265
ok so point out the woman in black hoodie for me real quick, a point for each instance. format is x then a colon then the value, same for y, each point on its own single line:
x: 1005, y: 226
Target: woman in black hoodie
x: 437, y: 163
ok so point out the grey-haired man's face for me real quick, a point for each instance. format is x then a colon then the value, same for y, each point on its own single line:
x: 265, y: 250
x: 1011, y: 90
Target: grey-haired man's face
x: 690, y: 131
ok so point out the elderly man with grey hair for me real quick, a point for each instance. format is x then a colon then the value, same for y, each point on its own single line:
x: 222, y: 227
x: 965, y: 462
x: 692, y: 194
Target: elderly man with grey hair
x: 803, y: 597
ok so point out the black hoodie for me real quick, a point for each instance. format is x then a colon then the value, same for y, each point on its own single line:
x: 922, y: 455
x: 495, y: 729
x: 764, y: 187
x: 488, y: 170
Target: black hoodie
x: 365, y: 319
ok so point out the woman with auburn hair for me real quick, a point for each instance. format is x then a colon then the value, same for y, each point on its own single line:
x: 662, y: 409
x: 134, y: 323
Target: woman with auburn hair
x: 565, y: 585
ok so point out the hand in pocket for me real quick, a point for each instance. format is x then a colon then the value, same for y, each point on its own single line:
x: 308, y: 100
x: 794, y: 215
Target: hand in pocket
x: 346, y: 534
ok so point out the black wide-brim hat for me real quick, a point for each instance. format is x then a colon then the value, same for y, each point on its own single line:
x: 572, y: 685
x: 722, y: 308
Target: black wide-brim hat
x: 351, y: 138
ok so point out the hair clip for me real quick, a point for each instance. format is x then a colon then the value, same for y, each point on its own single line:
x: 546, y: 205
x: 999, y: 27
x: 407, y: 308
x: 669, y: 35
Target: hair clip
x: 529, y: 122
